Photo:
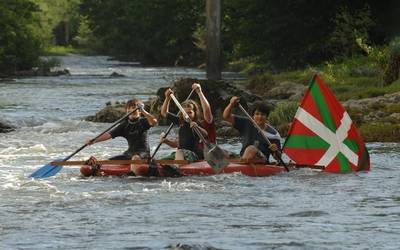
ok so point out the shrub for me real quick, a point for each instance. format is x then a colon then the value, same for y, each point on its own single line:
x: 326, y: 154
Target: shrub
x: 380, y: 132
x: 261, y: 83
x: 282, y: 116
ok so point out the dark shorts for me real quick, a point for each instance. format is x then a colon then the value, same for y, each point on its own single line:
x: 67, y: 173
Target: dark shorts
x: 189, y: 155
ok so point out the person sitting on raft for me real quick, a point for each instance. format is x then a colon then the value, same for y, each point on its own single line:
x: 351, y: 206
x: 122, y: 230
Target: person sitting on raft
x: 188, y: 143
x: 207, y: 123
x: 134, y: 130
x: 254, y: 147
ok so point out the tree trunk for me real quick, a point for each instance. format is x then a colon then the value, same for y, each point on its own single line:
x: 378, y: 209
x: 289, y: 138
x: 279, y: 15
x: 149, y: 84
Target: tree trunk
x: 213, y: 39
x: 66, y: 32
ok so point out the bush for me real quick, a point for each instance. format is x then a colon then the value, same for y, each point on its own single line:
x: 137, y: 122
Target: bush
x: 282, y: 116
x: 380, y: 132
x: 261, y: 83
x: 19, y: 47
x: 393, y: 66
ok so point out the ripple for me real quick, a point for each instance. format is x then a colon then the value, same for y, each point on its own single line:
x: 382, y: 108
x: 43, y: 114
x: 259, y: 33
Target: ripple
x: 241, y: 205
x: 183, y: 246
x: 314, y: 213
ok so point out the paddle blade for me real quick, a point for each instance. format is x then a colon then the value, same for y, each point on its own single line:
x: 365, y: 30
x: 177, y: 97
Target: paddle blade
x: 216, y: 158
x: 47, y: 170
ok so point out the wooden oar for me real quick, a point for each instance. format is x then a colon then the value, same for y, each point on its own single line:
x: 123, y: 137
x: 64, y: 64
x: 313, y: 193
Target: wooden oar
x: 260, y: 131
x: 118, y: 162
x: 214, y: 155
x: 49, y: 170
x: 167, y: 132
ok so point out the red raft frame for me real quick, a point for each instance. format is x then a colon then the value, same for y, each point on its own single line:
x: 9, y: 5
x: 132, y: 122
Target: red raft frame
x: 193, y: 169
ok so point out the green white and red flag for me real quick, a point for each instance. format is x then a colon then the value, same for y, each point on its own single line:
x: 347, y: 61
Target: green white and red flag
x: 323, y: 134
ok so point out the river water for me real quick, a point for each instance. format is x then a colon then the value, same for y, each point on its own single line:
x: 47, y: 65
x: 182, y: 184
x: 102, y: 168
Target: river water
x: 302, y: 209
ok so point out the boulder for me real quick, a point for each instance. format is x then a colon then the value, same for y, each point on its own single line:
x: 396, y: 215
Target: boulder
x: 287, y: 90
x: 115, y: 74
x: 110, y: 113
x: 5, y: 128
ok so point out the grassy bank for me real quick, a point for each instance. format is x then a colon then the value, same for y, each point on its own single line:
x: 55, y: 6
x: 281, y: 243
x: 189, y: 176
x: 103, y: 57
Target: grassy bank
x: 65, y: 50
x: 350, y: 79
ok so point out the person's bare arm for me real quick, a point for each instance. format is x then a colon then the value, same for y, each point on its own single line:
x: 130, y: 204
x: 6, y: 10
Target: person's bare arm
x: 227, y: 114
x: 205, y: 105
x: 171, y: 143
x: 165, y: 105
x: 103, y: 137
x: 202, y: 130
x: 150, y: 118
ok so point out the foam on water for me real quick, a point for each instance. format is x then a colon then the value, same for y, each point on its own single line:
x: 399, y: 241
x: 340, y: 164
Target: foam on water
x: 35, y: 149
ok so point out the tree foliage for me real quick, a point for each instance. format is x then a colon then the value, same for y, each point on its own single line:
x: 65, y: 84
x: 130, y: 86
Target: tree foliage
x: 277, y: 35
x: 19, y: 46
x: 59, y: 21
x: 290, y: 34
x: 153, y: 31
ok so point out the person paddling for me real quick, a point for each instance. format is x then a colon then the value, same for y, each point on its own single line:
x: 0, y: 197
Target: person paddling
x: 134, y: 130
x: 208, y: 120
x: 254, y: 147
x: 207, y: 123
x: 188, y: 143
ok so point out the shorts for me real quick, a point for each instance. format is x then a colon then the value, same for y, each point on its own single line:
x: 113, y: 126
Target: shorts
x: 190, y: 155
x: 187, y: 155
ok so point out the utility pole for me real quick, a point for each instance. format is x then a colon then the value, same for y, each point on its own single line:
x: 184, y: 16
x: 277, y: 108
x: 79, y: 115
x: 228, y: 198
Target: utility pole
x: 213, y: 39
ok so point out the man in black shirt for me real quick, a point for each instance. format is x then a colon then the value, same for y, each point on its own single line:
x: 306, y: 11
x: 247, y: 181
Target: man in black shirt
x: 134, y: 130
x: 254, y: 145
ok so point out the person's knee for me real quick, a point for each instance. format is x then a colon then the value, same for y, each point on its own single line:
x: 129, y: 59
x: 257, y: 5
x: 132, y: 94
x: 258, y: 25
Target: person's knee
x: 136, y: 157
x: 249, y: 153
x: 251, y: 150
x: 179, y: 154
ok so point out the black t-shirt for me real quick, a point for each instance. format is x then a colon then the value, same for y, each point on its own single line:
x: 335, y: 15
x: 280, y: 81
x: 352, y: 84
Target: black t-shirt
x: 188, y: 139
x: 250, y: 135
x: 135, y: 132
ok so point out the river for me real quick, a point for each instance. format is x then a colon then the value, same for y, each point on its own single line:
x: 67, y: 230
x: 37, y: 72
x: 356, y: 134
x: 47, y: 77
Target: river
x: 302, y: 209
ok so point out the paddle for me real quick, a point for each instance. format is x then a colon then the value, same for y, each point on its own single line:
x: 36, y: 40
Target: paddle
x: 49, y: 170
x: 213, y: 154
x: 260, y: 131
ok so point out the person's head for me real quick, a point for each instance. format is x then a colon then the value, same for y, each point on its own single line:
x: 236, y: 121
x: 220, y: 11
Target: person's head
x: 131, y: 105
x: 260, y: 112
x: 192, y: 109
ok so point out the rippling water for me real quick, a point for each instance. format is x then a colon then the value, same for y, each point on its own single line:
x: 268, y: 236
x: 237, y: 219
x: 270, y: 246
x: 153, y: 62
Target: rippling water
x: 302, y: 209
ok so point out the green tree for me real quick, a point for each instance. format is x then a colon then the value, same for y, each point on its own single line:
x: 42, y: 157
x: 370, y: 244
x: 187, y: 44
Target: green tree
x: 153, y: 32
x: 291, y: 34
x: 59, y: 21
x: 19, y: 46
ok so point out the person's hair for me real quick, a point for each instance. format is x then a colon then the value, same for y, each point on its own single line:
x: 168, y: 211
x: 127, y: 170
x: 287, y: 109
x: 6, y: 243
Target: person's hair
x: 197, y: 112
x: 131, y: 103
x: 260, y: 107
